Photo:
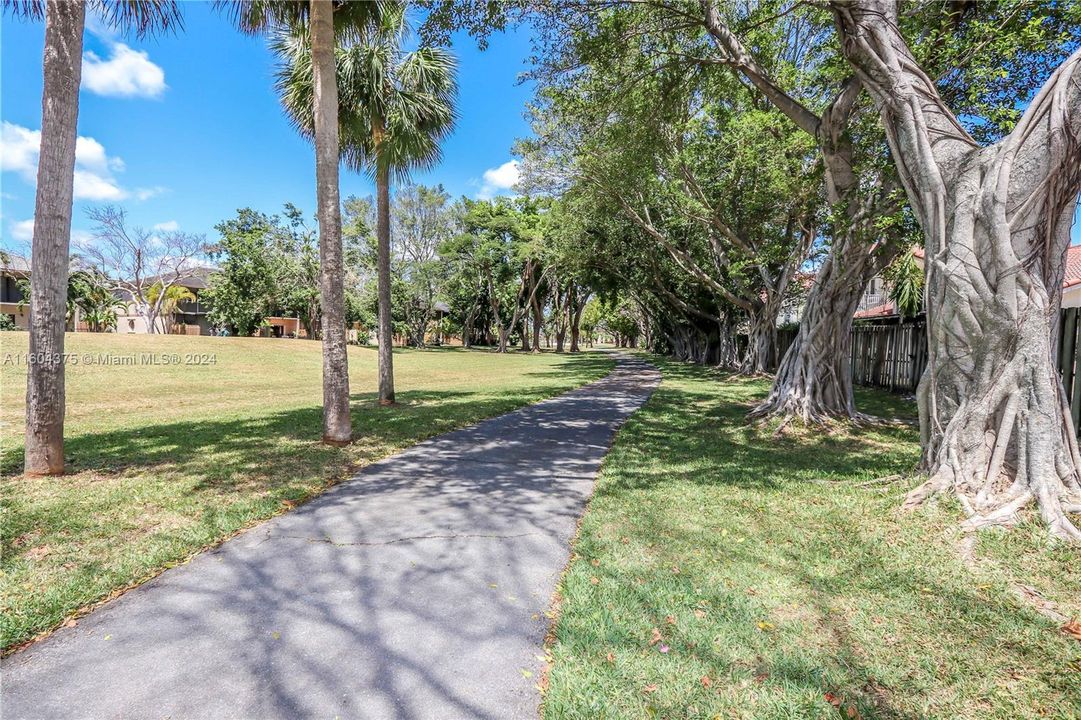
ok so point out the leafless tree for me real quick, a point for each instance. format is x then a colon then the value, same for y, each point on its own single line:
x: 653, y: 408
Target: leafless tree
x: 134, y: 260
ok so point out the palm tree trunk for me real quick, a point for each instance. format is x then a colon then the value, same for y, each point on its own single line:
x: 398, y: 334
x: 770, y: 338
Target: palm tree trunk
x: 337, y: 428
x: 386, y: 336
x: 62, y: 65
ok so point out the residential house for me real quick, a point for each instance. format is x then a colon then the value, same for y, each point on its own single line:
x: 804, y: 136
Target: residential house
x: 189, y: 318
x: 876, y: 304
x: 12, y: 303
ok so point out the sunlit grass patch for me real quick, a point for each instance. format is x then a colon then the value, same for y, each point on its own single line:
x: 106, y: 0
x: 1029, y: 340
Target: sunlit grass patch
x: 726, y: 571
x: 166, y: 460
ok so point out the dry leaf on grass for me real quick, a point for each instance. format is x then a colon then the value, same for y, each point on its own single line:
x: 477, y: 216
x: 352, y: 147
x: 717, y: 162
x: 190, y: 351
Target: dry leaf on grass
x: 1073, y: 629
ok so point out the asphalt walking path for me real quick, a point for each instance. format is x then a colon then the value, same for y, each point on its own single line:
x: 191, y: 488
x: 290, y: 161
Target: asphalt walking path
x: 417, y: 589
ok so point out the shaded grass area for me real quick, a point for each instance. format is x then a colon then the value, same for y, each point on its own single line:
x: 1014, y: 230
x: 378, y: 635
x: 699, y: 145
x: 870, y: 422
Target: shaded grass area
x: 166, y: 460
x: 721, y: 572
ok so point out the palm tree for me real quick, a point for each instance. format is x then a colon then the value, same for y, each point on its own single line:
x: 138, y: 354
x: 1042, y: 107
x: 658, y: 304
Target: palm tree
x: 62, y: 66
x: 322, y: 22
x: 395, y: 107
x: 174, y: 295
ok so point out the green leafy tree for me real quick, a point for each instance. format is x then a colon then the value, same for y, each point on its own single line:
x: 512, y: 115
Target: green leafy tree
x: 240, y: 291
x: 91, y: 295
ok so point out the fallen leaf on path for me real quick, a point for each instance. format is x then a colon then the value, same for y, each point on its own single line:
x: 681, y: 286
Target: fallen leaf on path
x: 71, y: 623
x: 526, y: 673
x: 276, y: 635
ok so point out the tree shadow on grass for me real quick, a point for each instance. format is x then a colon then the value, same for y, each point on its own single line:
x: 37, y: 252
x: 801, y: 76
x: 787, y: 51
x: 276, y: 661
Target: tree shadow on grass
x: 828, y: 564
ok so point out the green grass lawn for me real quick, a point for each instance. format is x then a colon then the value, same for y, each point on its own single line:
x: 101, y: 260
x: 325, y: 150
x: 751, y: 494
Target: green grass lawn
x: 165, y: 460
x: 724, y: 573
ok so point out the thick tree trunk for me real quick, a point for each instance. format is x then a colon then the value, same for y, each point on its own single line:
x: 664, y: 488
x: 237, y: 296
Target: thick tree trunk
x: 337, y: 428
x: 62, y: 67
x: 761, y: 339
x: 538, y: 323
x: 386, y: 327
x: 996, y: 222
x: 814, y: 379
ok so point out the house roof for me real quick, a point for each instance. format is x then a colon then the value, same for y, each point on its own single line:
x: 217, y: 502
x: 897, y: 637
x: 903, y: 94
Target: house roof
x: 14, y: 263
x: 1072, y: 275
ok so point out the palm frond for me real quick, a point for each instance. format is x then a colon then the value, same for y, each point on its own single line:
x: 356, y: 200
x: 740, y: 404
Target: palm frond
x: 412, y: 95
x: 138, y: 17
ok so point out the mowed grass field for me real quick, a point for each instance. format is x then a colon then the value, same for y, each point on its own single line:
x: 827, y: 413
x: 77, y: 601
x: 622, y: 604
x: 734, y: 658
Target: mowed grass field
x: 166, y: 459
x: 723, y: 572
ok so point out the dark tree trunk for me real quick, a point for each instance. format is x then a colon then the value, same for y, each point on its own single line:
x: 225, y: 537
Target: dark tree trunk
x: 386, y: 326
x: 62, y: 69
x: 337, y: 427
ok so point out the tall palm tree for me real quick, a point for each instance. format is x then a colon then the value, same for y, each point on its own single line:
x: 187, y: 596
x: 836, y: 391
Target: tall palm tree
x: 323, y: 23
x: 62, y: 66
x: 395, y: 107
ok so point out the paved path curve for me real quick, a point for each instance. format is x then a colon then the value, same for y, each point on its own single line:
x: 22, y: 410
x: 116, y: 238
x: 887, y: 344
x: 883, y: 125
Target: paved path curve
x: 415, y: 590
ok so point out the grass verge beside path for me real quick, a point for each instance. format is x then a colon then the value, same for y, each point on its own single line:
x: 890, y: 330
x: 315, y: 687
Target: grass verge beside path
x: 724, y: 573
x: 166, y: 459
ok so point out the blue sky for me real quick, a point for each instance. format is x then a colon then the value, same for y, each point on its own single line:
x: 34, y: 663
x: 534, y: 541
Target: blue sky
x: 183, y: 130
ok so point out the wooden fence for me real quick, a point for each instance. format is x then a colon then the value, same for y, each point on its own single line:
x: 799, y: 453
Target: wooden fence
x: 1069, y: 362
x: 893, y: 356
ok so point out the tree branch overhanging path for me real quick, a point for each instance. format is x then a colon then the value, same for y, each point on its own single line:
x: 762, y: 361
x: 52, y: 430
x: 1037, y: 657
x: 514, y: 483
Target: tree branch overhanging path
x: 417, y: 589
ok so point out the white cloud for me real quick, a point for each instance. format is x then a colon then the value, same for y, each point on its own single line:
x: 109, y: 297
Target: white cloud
x: 169, y: 226
x: 23, y: 230
x: 499, y: 180
x: 147, y: 193
x: 19, y: 150
x: 127, y: 73
x: 94, y: 167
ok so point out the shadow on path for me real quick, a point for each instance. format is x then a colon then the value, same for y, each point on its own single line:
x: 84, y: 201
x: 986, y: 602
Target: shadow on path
x: 417, y: 589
